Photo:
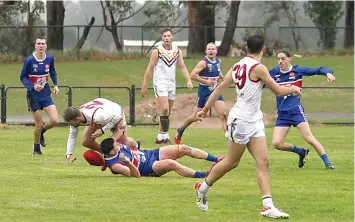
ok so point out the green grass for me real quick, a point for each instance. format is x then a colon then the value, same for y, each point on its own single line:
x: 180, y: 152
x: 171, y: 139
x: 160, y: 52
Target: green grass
x: 128, y: 72
x: 47, y: 188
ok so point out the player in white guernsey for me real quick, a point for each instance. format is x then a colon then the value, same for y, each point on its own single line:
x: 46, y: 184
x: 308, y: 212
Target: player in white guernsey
x: 99, y: 116
x: 245, y: 127
x: 163, y: 60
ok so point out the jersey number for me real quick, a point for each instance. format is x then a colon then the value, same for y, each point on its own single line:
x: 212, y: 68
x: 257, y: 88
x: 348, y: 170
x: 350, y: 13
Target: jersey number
x: 240, y: 74
x: 92, y: 105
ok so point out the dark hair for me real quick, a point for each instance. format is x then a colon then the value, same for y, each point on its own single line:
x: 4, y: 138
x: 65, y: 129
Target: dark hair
x: 255, y: 44
x: 107, y: 145
x: 287, y: 52
x: 71, y: 113
x: 166, y: 30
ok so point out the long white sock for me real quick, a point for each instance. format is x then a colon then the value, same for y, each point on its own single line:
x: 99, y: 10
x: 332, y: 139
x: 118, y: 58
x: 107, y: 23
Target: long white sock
x: 204, y: 187
x: 267, y: 202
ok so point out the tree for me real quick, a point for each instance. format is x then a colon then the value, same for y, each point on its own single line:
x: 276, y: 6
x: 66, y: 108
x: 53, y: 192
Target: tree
x: 349, y: 24
x: 84, y: 36
x: 55, y: 22
x: 325, y: 16
x: 230, y: 29
x: 119, y: 11
x: 21, y: 13
x: 165, y: 13
x: 200, y: 13
x: 288, y: 10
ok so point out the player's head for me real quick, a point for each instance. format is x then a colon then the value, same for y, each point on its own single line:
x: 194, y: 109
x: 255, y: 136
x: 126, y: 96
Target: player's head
x: 284, y: 57
x: 211, y: 50
x: 109, y: 147
x: 255, y: 44
x: 40, y: 45
x: 72, y: 116
x: 166, y: 36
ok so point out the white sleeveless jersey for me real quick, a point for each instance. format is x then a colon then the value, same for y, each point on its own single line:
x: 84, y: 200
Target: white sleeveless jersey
x: 165, y: 69
x: 101, y: 112
x: 249, y: 92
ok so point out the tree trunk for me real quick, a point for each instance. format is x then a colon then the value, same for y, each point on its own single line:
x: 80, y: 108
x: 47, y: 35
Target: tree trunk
x: 84, y: 36
x: 29, y: 37
x: 200, y: 13
x: 349, y: 24
x: 55, y: 17
x: 229, y: 31
x: 115, y: 38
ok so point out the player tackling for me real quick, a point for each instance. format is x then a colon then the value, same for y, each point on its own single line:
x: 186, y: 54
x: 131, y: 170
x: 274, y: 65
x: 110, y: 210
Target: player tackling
x: 245, y: 127
x: 99, y: 116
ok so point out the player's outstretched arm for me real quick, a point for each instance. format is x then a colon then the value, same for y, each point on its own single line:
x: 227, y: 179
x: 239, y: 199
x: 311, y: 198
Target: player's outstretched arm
x: 184, y: 71
x: 261, y: 72
x: 325, y: 71
x: 73, y: 135
x: 195, y: 74
x: 152, y: 62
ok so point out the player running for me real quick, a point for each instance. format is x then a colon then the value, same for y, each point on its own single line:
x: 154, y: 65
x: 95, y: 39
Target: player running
x: 99, y: 116
x: 131, y: 162
x: 207, y: 72
x: 163, y: 60
x: 290, y: 111
x: 34, y: 76
x: 245, y: 127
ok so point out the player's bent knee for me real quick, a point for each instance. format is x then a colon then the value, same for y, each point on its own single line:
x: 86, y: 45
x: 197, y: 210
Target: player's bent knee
x: 172, y: 164
x: 184, y: 149
x: 165, y: 112
x: 276, y: 144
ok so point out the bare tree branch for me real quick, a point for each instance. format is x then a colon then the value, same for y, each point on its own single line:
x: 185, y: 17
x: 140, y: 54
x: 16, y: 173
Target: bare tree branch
x: 131, y: 15
x: 104, y: 16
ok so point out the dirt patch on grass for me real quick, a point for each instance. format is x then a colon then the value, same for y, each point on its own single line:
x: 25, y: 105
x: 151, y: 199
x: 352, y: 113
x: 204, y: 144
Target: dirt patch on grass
x: 184, y: 105
x: 12, y: 127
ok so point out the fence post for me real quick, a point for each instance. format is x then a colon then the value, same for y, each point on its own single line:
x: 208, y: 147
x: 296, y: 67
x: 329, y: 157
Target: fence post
x: 70, y: 97
x: 3, y: 104
x: 142, y: 36
x: 132, y: 106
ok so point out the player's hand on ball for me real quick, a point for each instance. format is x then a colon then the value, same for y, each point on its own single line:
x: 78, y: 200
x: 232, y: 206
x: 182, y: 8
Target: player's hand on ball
x: 55, y: 90
x: 189, y: 85
x: 330, y: 78
x: 297, y: 91
x: 124, y: 158
x: 144, y: 91
x: 97, y: 133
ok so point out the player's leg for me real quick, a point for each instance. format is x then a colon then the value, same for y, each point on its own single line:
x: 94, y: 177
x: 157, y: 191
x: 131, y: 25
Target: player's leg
x: 176, y: 151
x: 163, y: 166
x: 258, y: 149
x: 278, y: 141
x: 187, y: 122
x: 221, y: 110
x: 161, y: 93
x: 53, y: 120
x: 37, y: 117
x: 88, y: 141
x: 307, y: 135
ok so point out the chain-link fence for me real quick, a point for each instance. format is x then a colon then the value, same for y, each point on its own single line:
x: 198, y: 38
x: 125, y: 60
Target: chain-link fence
x: 140, y: 39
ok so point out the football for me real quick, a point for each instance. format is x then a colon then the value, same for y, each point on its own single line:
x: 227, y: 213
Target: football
x: 94, y: 158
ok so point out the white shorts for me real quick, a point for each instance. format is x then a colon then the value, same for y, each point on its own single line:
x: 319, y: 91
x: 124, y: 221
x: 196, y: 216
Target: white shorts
x: 165, y: 90
x: 241, y: 132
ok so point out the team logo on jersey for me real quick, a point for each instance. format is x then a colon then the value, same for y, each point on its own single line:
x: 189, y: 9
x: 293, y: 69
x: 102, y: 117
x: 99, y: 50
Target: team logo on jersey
x: 35, y: 67
x: 219, y: 67
x: 209, y: 66
x: 47, y: 68
x: 292, y: 74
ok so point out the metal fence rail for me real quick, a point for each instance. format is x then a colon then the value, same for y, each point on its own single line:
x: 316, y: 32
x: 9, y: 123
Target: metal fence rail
x: 13, y: 102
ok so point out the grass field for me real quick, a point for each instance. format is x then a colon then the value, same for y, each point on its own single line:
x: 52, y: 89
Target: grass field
x: 47, y: 188
x: 128, y: 72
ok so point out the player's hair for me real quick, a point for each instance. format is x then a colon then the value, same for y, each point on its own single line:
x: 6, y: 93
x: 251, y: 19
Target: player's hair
x: 34, y: 42
x: 210, y: 43
x: 166, y: 30
x: 71, y: 113
x: 255, y: 44
x: 287, y: 52
x: 107, y: 145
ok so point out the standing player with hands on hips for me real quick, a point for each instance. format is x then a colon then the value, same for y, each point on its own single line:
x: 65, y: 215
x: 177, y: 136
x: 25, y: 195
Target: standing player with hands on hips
x: 34, y: 76
x: 163, y: 60
x: 245, y: 127
x: 290, y: 111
